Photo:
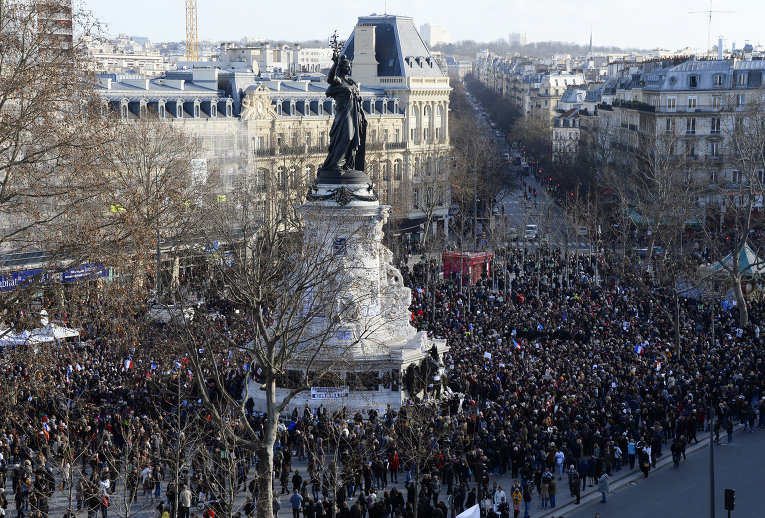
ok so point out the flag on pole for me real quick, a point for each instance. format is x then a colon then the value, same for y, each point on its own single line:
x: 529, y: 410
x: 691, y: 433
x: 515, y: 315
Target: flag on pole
x: 128, y: 363
x: 639, y: 349
x: 516, y: 344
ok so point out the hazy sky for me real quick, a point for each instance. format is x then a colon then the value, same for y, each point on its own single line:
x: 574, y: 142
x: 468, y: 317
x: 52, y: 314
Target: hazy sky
x: 644, y: 24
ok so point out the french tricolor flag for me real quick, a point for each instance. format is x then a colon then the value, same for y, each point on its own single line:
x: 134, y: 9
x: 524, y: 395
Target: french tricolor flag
x: 516, y: 344
x: 639, y: 349
x: 128, y: 363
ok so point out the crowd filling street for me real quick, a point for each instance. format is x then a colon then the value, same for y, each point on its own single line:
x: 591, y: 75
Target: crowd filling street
x: 552, y: 382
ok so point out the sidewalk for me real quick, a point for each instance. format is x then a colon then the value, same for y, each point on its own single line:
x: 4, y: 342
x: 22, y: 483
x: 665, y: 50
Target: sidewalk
x: 617, y: 481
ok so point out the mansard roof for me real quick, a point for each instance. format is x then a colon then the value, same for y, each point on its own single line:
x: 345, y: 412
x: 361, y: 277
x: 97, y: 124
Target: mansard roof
x: 399, y: 49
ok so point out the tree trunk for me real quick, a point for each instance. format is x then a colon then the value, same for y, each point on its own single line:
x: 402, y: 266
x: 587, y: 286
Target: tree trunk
x: 743, y: 312
x: 266, y: 455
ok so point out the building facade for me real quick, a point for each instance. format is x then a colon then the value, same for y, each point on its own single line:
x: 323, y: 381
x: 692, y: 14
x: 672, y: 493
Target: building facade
x: 272, y: 135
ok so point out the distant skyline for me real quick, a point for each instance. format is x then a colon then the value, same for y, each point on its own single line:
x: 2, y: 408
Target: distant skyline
x: 648, y: 24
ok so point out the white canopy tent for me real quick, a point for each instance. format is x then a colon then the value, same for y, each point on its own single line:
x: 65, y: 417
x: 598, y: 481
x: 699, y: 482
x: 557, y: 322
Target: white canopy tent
x: 55, y: 332
x: 46, y: 334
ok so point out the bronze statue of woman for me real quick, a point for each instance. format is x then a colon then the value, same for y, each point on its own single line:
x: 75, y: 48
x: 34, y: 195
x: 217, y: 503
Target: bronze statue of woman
x: 347, y: 137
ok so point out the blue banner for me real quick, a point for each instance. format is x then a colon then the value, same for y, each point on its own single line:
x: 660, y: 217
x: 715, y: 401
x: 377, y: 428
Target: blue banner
x: 13, y: 280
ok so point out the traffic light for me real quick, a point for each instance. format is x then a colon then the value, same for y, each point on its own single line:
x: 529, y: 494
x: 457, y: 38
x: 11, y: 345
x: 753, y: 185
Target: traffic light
x: 730, y: 499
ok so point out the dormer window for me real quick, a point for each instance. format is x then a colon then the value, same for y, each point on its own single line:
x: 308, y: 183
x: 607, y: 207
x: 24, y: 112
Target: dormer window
x: 693, y: 81
x: 718, y: 80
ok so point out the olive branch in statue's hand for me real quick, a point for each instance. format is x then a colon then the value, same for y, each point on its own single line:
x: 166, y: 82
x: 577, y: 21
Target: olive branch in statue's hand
x: 336, y: 45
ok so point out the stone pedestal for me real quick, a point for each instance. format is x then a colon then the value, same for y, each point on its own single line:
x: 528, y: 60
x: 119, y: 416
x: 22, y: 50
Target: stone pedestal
x: 373, y: 334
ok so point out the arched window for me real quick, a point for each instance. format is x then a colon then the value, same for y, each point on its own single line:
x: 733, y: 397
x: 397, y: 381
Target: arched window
x: 124, y: 111
x: 213, y: 110
x: 196, y: 110
x: 228, y: 110
x: 161, y: 111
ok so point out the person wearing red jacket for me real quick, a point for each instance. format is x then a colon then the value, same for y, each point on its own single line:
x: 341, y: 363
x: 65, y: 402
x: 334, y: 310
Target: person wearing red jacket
x: 393, y: 466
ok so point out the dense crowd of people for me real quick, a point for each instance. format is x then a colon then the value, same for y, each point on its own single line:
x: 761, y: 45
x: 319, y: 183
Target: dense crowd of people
x: 549, y: 380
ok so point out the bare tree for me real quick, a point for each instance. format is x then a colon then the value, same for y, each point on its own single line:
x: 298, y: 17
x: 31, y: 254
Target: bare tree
x: 741, y: 196
x: 155, y: 195
x: 50, y: 137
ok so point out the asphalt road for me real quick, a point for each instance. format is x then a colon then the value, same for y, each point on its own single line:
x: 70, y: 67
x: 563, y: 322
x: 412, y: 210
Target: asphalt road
x: 520, y: 211
x: 685, y: 491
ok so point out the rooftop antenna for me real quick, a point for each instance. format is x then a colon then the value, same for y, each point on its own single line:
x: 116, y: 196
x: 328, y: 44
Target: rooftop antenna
x: 709, y: 24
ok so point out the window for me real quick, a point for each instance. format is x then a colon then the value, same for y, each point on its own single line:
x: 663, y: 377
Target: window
x: 339, y: 246
x: 741, y: 79
x: 671, y: 104
x: 715, y: 126
x: 670, y: 126
x: 691, y: 103
x: 693, y: 81
x: 690, y: 126
x: 308, y: 140
x: 716, y: 102
x: 690, y: 149
x: 740, y: 99
x: 213, y: 110
x: 398, y: 136
x: 718, y: 80
x: 714, y: 149
x: 228, y: 110
x: 196, y: 110
x: 735, y: 176
x: 124, y: 111
x: 161, y: 111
